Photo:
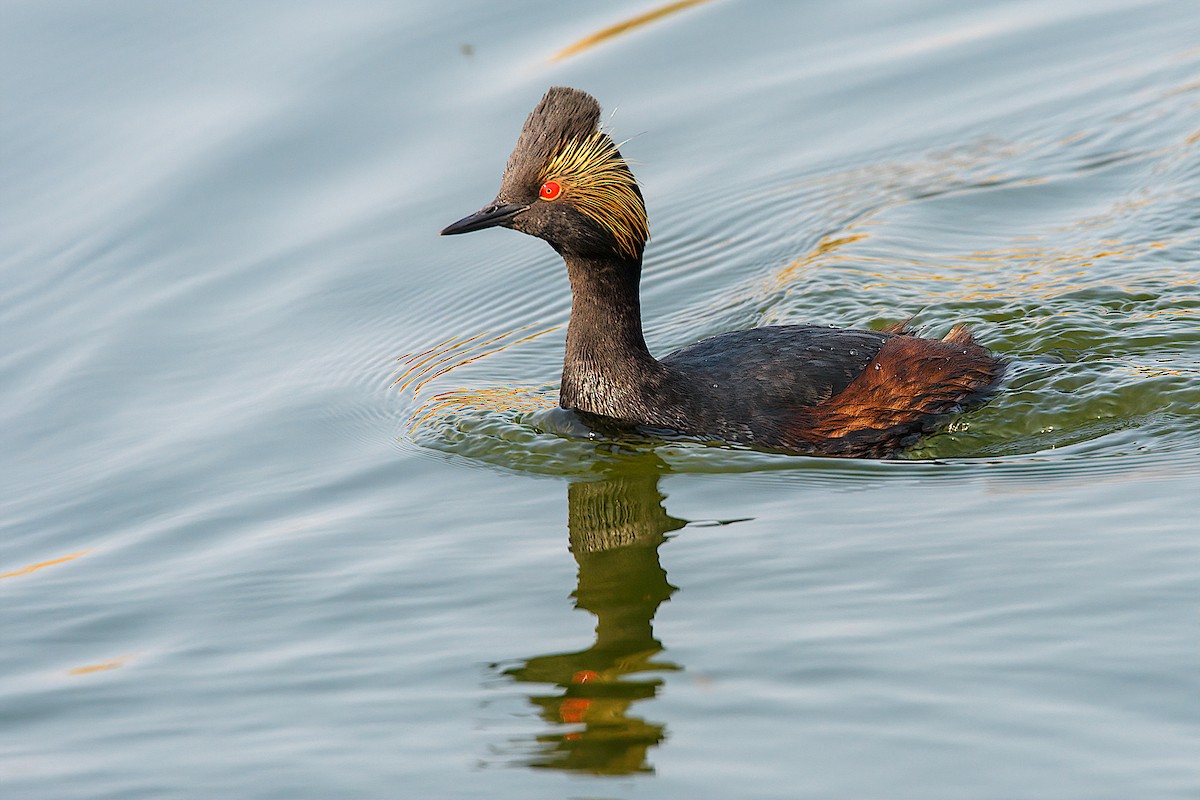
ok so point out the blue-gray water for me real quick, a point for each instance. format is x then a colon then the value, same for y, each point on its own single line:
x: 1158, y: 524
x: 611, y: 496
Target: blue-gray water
x: 280, y: 514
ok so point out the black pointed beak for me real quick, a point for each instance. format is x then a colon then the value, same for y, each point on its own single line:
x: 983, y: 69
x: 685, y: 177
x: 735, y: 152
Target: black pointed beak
x: 487, y: 217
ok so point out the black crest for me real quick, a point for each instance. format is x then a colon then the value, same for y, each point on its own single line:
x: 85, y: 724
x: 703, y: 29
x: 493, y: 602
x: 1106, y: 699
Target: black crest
x: 564, y: 115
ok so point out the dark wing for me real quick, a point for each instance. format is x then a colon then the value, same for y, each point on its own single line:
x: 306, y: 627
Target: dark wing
x: 779, y: 367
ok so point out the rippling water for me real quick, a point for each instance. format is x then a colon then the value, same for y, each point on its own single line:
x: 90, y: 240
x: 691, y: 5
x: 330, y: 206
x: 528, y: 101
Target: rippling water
x: 286, y: 510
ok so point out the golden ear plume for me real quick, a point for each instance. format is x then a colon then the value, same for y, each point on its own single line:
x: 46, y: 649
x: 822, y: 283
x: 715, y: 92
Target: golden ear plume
x: 597, y: 181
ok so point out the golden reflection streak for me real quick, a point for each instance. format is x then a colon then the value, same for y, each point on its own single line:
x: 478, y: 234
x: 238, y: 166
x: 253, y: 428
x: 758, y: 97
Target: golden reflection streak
x: 612, y: 31
x: 425, y: 366
x: 449, y: 355
x: 497, y: 398
x: 826, y: 246
x: 102, y: 666
x: 1144, y: 371
x: 478, y: 356
x: 1041, y: 272
x: 437, y: 354
x: 441, y: 347
x: 51, y: 563
x: 1032, y: 269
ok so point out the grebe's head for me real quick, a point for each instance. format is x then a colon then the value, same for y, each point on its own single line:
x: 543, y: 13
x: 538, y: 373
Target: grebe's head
x: 567, y: 183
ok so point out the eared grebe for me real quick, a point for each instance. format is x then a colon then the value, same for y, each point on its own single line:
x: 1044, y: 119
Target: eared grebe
x: 796, y: 388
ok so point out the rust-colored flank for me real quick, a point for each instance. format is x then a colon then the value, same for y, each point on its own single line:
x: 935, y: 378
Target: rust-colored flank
x: 907, y: 390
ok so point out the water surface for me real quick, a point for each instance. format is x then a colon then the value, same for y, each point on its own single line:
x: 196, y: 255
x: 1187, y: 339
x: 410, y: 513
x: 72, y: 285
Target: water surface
x: 283, y: 515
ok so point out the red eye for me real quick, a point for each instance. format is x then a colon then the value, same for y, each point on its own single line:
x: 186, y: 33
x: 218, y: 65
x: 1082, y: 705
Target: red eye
x: 550, y: 190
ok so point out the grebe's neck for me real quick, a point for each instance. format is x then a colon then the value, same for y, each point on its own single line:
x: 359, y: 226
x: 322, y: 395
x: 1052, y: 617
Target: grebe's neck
x: 607, y: 359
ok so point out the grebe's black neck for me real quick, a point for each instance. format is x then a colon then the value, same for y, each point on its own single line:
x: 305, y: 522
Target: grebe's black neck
x: 607, y: 358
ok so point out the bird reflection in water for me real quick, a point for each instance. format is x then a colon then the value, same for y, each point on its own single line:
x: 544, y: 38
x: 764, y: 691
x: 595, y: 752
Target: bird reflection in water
x: 616, y: 522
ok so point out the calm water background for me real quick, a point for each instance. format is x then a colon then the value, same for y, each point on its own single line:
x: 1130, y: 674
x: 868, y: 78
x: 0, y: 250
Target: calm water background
x: 246, y: 552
